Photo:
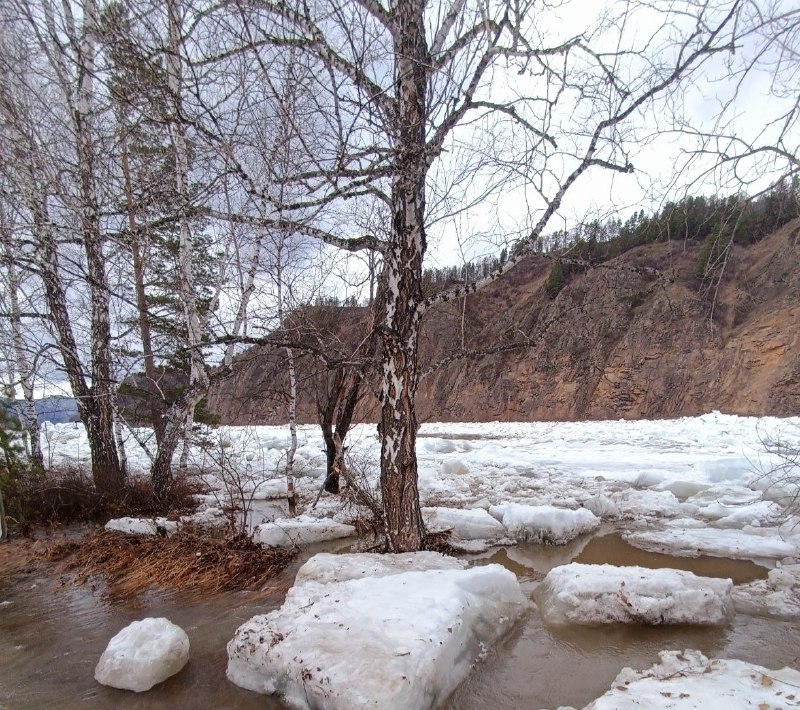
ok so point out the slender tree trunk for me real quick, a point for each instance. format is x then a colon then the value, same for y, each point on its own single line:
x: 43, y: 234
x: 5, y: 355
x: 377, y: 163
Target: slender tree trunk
x: 292, y: 428
x: 21, y: 363
x: 404, y: 528
x: 174, y: 425
x: 118, y: 438
x: 180, y: 415
x: 105, y: 464
x: 3, y: 528
x: 105, y: 459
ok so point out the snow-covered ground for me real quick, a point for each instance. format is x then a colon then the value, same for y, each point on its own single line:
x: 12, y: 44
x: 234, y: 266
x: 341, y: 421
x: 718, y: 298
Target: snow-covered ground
x: 687, y: 487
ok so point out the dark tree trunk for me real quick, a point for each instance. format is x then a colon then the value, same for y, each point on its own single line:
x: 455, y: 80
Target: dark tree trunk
x: 336, y: 418
x: 174, y: 422
x: 94, y: 408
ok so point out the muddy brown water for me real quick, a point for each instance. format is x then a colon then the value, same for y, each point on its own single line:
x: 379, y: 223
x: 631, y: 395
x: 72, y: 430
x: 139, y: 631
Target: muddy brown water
x: 544, y: 667
x: 51, y: 636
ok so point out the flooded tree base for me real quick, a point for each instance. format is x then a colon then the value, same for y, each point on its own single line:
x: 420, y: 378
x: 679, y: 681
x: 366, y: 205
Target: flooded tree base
x: 187, y: 562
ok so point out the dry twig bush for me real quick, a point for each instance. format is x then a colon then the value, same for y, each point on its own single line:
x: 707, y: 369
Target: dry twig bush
x: 67, y: 495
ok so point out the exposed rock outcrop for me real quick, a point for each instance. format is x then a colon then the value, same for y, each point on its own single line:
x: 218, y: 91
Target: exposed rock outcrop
x: 638, y: 336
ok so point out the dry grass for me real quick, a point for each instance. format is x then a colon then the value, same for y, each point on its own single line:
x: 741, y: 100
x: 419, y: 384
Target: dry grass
x: 186, y: 562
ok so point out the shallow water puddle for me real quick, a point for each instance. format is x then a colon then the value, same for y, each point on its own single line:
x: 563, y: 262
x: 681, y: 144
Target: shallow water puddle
x: 613, y: 550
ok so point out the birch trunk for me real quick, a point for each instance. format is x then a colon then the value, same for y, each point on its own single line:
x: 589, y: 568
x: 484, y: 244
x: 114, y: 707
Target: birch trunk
x: 404, y: 528
x: 21, y: 363
x: 100, y: 426
x: 142, y: 306
x: 292, y: 427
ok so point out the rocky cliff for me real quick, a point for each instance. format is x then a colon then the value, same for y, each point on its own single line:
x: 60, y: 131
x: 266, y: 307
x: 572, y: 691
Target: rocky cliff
x: 637, y: 336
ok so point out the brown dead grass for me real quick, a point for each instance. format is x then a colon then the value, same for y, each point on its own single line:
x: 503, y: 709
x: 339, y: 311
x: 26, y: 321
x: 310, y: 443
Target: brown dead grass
x: 186, y: 562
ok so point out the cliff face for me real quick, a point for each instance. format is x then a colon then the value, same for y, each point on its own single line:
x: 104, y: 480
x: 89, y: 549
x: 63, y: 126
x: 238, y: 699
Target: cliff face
x: 617, y: 341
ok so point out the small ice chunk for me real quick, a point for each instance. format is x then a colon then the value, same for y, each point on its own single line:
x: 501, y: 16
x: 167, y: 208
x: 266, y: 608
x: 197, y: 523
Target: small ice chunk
x: 602, y: 506
x: 209, y: 518
x: 778, y: 596
x: 302, y: 530
x: 632, y: 502
x: 393, y: 632
x: 143, y: 526
x: 438, y: 446
x: 474, y: 524
x: 269, y: 489
x: 682, y: 489
x: 688, y: 679
x: 544, y: 523
x: 454, y: 467
x: 143, y: 654
x: 605, y: 594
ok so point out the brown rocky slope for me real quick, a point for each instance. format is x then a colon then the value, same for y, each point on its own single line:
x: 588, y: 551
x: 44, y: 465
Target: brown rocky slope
x: 640, y: 336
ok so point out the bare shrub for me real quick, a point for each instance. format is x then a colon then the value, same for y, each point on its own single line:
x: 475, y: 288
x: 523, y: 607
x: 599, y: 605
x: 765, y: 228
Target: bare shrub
x: 780, y: 481
x: 67, y: 495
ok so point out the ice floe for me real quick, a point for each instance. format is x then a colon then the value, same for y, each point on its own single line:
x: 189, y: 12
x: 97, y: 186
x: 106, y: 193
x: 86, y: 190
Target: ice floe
x: 143, y: 526
x: 688, y: 679
x: 544, y: 523
x: 365, y: 631
x: 604, y: 594
x: 472, y: 524
x: 778, y: 596
x: 715, y: 542
x: 302, y: 530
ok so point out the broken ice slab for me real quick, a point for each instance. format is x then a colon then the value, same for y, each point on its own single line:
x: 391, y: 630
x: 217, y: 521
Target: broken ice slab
x: 605, y: 594
x: 688, y: 679
x: 387, y: 631
x: 302, y: 530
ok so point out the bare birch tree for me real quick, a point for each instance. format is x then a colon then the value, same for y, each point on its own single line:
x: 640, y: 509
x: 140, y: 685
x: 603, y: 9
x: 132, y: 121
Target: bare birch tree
x: 405, y: 90
x: 56, y: 167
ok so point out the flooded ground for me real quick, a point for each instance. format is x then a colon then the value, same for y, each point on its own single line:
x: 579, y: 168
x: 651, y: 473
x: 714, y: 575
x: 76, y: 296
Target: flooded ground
x: 51, y: 636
